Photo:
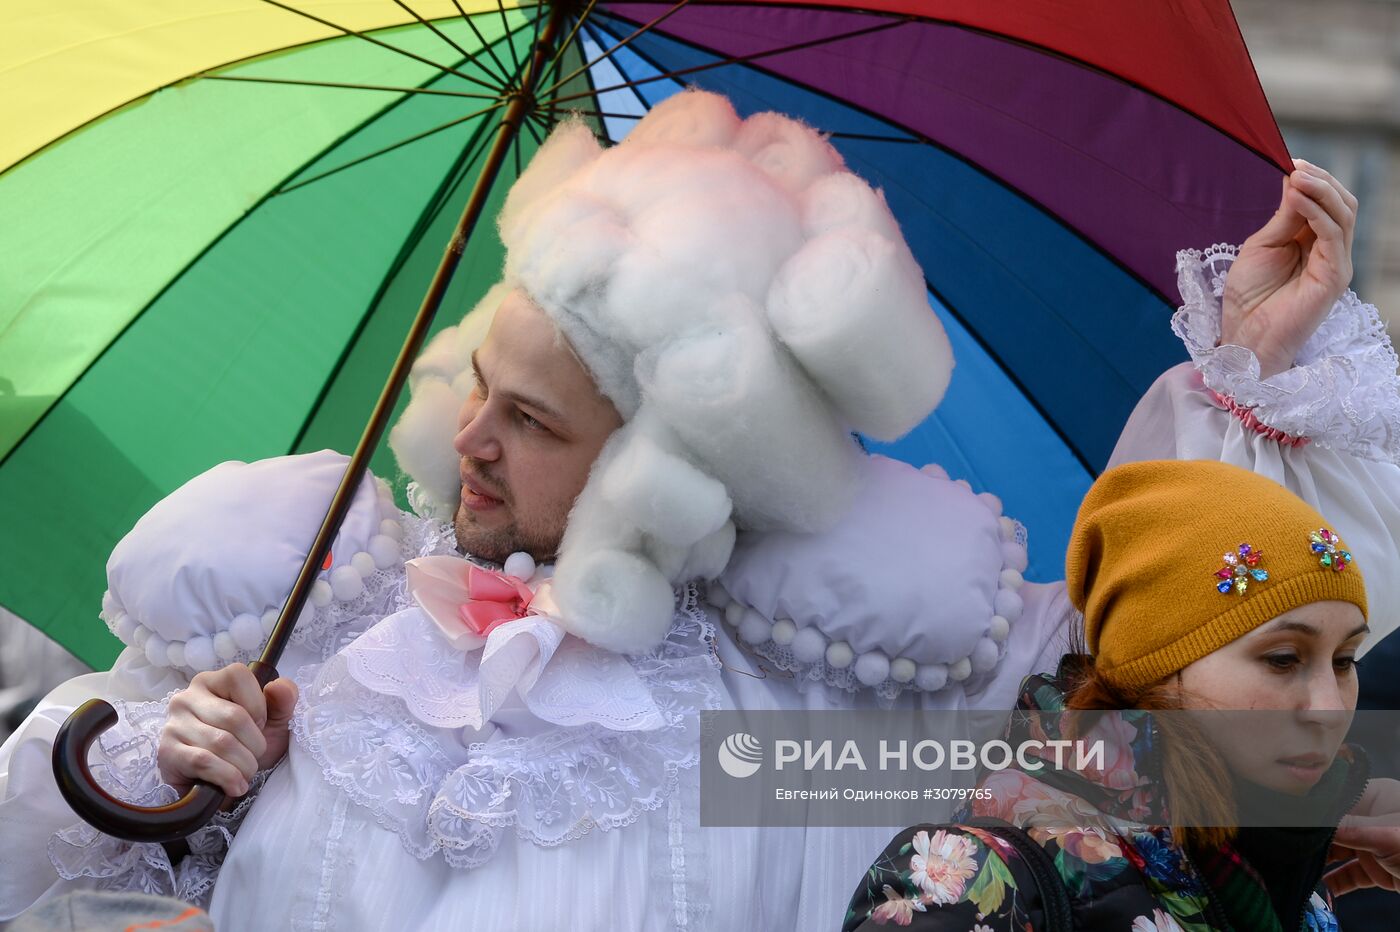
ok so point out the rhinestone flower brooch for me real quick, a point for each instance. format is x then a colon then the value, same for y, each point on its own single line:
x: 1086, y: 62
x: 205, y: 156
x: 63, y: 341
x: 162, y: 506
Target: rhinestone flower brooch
x: 1239, y: 569
x: 1243, y: 567
x: 1328, y: 547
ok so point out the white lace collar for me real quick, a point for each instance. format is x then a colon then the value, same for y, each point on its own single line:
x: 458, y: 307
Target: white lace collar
x: 393, y: 720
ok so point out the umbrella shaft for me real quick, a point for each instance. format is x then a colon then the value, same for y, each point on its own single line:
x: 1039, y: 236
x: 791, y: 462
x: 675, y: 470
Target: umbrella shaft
x: 522, y: 101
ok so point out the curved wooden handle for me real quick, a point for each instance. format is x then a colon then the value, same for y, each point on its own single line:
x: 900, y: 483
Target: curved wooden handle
x: 101, y: 809
x: 113, y: 816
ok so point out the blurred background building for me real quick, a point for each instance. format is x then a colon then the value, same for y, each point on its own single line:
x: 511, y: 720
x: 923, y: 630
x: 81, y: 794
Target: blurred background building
x: 1331, y: 70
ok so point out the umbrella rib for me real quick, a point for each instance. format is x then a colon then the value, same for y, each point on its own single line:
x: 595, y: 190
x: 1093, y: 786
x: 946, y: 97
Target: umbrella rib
x: 621, y: 43
x: 530, y: 122
x: 876, y: 137
x: 384, y: 45
x: 515, y: 59
x: 558, y: 55
x: 179, y: 276
x: 1015, y: 380
x: 358, y: 87
x: 470, y: 58
x: 604, y: 114
x: 390, y: 148
x: 476, y: 146
x: 596, y: 33
x: 504, y: 76
x: 744, y: 59
x: 926, y: 140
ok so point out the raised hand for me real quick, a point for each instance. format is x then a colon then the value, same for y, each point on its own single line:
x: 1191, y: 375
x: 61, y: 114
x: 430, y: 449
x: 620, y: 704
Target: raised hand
x: 1368, y: 841
x: 1290, y: 273
x: 224, y: 728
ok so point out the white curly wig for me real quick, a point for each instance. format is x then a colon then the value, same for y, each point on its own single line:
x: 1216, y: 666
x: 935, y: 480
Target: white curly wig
x: 744, y: 300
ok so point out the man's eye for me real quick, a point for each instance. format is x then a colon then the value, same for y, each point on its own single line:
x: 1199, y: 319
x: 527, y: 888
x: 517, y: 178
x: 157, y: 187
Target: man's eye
x: 530, y: 422
x: 1345, y: 664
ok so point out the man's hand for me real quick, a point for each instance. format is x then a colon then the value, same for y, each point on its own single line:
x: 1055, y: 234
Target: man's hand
x: 1290, y: 273
x: 1369, y: 840
x: 223, y: 729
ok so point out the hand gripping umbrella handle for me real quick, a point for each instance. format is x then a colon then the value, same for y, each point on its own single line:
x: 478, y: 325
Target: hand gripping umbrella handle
x: 110, y: 815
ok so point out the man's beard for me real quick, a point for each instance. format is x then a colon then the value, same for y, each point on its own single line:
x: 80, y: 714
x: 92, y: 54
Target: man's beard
x: 495, y: 545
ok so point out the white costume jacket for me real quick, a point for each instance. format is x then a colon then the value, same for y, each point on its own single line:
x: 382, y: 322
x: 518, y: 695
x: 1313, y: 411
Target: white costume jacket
x: 539, y: 782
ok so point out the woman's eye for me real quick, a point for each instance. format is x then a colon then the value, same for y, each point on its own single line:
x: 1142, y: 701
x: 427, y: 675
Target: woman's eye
x: 530, y: 422
x: 1345, y: 664
x: 1282, y: 662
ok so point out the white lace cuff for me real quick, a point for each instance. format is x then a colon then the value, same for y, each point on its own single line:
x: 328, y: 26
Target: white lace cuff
x: 125, y: 765
x: 1342, y: 393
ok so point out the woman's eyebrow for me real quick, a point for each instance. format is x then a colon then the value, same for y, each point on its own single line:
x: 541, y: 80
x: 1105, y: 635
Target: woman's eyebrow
x: 1311, y: 630
x: 1301, y: 627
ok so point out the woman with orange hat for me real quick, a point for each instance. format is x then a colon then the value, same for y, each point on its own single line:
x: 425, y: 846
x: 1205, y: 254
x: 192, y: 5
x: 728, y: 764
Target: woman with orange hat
x: 1200, y: 587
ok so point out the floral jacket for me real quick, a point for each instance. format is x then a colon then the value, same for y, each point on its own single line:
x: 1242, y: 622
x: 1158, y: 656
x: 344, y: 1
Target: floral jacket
x: 1010, y: 863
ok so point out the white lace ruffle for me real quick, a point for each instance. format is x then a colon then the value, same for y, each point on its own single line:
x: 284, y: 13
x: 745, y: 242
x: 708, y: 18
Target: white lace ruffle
x: 1342, y: 393
x: 441, y: 795
x: 337, y: 624
x: 125, y: 766
x: 562, y: 680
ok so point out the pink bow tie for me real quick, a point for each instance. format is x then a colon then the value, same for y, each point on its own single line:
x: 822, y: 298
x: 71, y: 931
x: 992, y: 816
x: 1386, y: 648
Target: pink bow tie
x: 492, y: 599
x: 466, y: 601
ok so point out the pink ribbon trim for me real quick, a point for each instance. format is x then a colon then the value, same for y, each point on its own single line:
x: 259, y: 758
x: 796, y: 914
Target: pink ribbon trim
x: 1246, y: 417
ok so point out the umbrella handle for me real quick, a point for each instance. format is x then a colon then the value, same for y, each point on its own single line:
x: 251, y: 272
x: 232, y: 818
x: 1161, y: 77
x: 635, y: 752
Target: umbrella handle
x: 113, y: 816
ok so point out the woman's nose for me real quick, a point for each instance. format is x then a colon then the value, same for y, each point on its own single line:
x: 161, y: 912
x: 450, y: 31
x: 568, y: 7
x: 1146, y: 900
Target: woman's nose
x: 1325, y: 697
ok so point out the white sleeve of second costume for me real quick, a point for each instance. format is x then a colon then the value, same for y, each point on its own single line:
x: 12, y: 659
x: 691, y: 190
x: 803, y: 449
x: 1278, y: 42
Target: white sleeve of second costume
x: 1342, y: 394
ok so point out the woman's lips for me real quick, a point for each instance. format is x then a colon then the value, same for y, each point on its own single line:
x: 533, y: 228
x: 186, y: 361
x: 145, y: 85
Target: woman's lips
x: 1309, y: 768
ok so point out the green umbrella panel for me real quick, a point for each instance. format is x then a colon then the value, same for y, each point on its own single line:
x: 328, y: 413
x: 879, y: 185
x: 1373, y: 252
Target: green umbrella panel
x: 239, y: 262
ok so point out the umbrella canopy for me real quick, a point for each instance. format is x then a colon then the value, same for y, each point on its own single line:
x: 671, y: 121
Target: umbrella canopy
x: 216, y: 219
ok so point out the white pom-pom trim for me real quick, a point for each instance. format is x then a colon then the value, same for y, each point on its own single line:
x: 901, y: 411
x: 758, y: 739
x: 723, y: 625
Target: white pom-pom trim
x: 754, y: 628
x: 519, y: 565
x: 931, y: 677
x: 224, y: 648
x: 839, y: 655
x: 872, y: 668
x: 784, y: 630
x: 246, y: 631
x: 809, y: 645
x: 875, y: 668
x: 902, y: 669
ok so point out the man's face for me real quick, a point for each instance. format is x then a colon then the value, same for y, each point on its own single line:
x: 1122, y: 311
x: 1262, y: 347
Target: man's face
x: 527, y: 435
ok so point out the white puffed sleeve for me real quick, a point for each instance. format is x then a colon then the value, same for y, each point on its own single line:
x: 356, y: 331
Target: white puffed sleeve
x: 914, y: 597
x: 200, y: 579
x: 1339, y: 406
x: 195, y: 585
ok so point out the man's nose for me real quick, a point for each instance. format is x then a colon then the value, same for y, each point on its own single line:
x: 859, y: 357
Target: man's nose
x: 478, y: 436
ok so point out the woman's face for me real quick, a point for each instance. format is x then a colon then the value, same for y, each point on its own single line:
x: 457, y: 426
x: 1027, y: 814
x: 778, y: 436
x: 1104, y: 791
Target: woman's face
x: 1299, y: 672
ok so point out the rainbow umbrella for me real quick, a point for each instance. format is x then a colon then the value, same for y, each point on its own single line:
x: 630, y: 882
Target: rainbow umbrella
x: 218, y: 217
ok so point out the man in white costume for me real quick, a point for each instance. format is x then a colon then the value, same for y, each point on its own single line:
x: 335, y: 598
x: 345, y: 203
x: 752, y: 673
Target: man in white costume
x: 657, y: 402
